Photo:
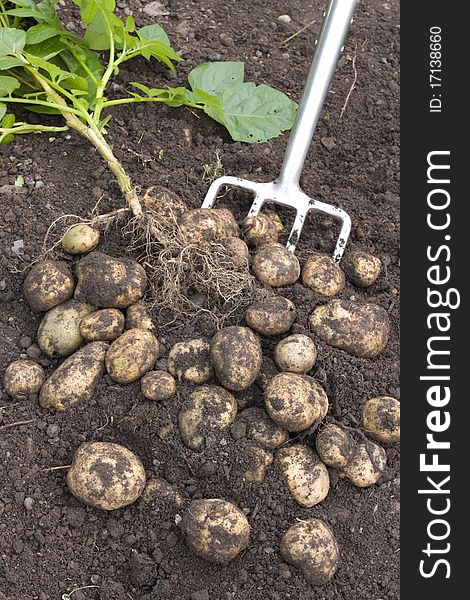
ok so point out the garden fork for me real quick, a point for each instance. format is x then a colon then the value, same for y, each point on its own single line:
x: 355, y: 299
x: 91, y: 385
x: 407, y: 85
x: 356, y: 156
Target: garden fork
x: 285, y: 190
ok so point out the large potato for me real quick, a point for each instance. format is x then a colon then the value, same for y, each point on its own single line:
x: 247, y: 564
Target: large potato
x: 215, y: 529
x: 366, y: 465
x: 207, y: 224
x: 80, y: 239
x: 335, y: 446
x: 164, y: 203
x: 104, y: 325
x: 236, y: 357
x: 307, y: 477
x: 261, y: 429
x: 106, y: 475
x: 23, y: 378
x: 262, y: 228
x: 190, y: 361
x: 360, y: 329
x: 275, y: 266
x: 252, y: 461
x: 381, y: 419
x: 75, y: 380
x: 296, y: 353
x: 311, y: 546
x: 158, y: 385
x: 271, y: 316
x: 132, y: 355
x: 48, y: 284
x: 361, y: 268
x: 138, y: 317
x: 323, y: 275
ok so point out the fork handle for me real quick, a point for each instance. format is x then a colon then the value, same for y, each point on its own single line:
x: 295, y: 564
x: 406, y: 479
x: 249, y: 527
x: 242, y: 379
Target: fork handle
x: 335, y: 26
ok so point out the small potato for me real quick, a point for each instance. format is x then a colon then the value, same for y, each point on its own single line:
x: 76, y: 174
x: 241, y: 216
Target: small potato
x: 80, y: 239
x: 23, y: 378
x: 190, y: 361
x: 271, y: 316
x: 207, y: 224
x: 296, y: 353
x: 323, y: 275
x: 361, y: 268
x: 48, y: 284
x: 238, y: 252
x: 236, y: 357
x: 159, y: 492
x: 267, y: 372
x: 307, y: 477
x: 261, y: 429
x: 59, y: 331
x: 132, y: 355
x: 366, y: 465
x: 76, y: 379
x: 360, y: 329
x: 311, y: 546
x: 158, y: 385
x: 138, y: 317
x: 262, y: 228
x: 275, y: 266
x: 104, y: 325
x: 215, y: 529
x: 106, y: 475
x: 334, y: 446
x: 381, y: 419
x: 164, y: 203
x: 252, y: 462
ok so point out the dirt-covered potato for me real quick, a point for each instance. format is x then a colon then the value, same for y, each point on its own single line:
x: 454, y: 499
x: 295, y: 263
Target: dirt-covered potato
x: 48, y: 284
x: 164, y: 203
x: 107, y: 282
x: 80, y: 239
x: 158, y: 492
x: 294, y: 401
x: 236, y: 357
x: 323, y: 275
x: 106, y: 475
x: 158, y: 385
x: 215, y: 529
x: 307, y: 477
x: 103, y: 325
x: 360, y: 329
x: 208, y: 224
x: 271, y: 316
x: 138, y: 317
x: 275, y: 266
x: 190, y: 361
x: 262, y: 228
x: 361, y: 268
x: 335, y: 446
x: 208, y: 408
x: 252, y: 461
x: 261, y: 429
x: 296, y: 353
x: 75, y: 380
x: 381, y: 419
x: 23, y: 378
x: 267, y: 372
x: 59, y: 331
x: 238, y: 252
x: 311, y: 546
x: 132, y: 355
x: 366, y: 465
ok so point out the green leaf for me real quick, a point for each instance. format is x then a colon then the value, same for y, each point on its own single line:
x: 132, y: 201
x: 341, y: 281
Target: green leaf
x: 130, y: 24
x: 19, y: 181
x: 39, y: 33
x: 12, y: 41
x: 8, y: 121
x: 9, y: 62
x: 154, y: 33
x: 42, y: 12
x: 3, y: 110
x: 6, y: 138
x: 215, y: 77
x: 41, y: 63
x: 90, y: 8
x: 8, y: 85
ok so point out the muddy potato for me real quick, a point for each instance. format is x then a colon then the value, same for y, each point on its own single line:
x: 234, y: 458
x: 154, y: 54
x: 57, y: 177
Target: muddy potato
x: 190, y: 361
x: 361, y: 268
x: 237, y: 251
x: 158, y: 385
x: 207, y: 224
x: 261, y: 429
x: 311, y: 546
x: 208, y: 408
x: 271, y: 316
x: 252, y: 462
x: 48, y: 284
x: 158, y: 492
x: 132, y: 355
x: 296, y: 353
x: 23, y: 378
x: 138, y: 317
x: 106, y: 475
x: 215, y: 529
x: 267, y: 372
x: 164, y: 203
x: 262, y: 228
x: 59, y: 331
x: 103, y: 325
x: 381, y: 419
x: 80, y: 239
x: 366, y: 465
x: 236, y: 357
x: 335, y: 446
x: 323, y: 275
x: 275, y: 266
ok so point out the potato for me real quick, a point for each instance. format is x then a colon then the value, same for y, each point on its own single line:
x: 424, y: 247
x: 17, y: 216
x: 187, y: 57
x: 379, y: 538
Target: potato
x: 159, y: 492
x: 75, y: 380
x: 190, y: 361
x: 381, y: 419
x: 335, y: 446
x: 103, y: 325
x: 307, y: 477
x: 132, y: 355
x: 138, y: 317
x: 323, y: 275
x: 236, y: 357
x: 262, y: 228
x: 271, y: 316
x: 208, y: 408
x: 164, y: 203
x: 294, y: 401
x: 275, y: 266
x: 80, y: 239
x: 311, y: 546
x: 23, y: 378
x: 361, y: 268
x: 59, y: 331
x: 296, y: 353
x: 238, y: 252
x: 366, y: 465
x: 207, y: 224
x: 252, y: 462
x: 267, y: 372
x: 158, y: 385
x: 215, y: 529
x: 360, y: 329
x: 48, y: 284
x: 261, y: 429
x: 107, y: 282
x: 106, y: 475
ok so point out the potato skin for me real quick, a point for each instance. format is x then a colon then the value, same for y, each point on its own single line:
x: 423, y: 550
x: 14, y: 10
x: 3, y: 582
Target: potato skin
x: 366, y: 465
x: 311, y: 546
x: 131, y: 355
x: 48, y: 284
x: 164, y: 203
x: 267, y: 372
x: 238, y: 252
x: 103, y: 325
x: 158, y: 385
x: 190, y: 361
x: 323, y: 275
x: 138, y: 317
x: 253, y: 461
x: 261, y: 429
x: 262, y: 229
x: 381, y: 419
x: 106, y: 475
x: 23, y: 378
x: 271, y: 316
x: 275, y: 266
x: 215, y: 529
x: 334, y: 445
x: 159, y: 492
x: 361, y: 268
x: 80, y: 239
x: 207, y: 224
x: 296, y: 353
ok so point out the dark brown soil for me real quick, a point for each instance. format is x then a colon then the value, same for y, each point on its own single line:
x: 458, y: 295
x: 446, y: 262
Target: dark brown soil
x: 50, y: 544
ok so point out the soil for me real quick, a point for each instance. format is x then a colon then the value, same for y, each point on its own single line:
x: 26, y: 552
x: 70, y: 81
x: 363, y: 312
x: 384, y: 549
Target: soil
x: 50, y: 543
